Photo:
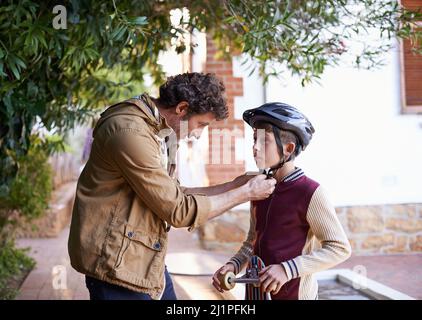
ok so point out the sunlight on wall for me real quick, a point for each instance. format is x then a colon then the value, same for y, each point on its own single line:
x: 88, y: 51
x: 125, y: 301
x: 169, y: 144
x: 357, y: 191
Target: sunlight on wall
x: 364, y: 150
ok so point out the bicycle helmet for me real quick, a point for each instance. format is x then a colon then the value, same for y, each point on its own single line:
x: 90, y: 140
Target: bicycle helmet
x: 282, y: 117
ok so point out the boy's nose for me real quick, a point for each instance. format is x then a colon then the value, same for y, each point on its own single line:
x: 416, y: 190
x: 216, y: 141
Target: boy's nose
x: 195, y: 134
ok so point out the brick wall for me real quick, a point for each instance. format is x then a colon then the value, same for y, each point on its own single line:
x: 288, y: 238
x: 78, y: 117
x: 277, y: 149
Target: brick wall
x: 222, y: 172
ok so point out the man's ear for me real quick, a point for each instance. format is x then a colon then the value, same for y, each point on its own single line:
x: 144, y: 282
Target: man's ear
x: 182, y: 109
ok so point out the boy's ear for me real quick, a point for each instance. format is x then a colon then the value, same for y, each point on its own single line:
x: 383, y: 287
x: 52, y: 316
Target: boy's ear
x: 290, y: 147
x: 182, y: 108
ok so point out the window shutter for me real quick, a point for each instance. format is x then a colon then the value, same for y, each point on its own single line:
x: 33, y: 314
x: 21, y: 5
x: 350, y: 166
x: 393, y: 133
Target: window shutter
x: 411, y: 65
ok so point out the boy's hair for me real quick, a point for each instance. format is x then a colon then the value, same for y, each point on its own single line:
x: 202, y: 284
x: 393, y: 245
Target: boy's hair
x: 286, y: 136
x: 203, y: 92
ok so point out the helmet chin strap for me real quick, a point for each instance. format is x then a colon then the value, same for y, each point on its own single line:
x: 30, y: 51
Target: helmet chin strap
x: 270, y: 172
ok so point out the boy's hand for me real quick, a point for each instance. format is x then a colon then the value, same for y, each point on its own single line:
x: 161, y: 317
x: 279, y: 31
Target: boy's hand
x: 272, y: 278
x: 223, y: 270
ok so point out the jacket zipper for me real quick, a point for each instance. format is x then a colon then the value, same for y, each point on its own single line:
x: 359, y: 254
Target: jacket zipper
x: 266, y: 222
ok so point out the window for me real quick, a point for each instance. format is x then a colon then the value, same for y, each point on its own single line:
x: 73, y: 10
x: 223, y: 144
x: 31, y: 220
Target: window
x: 411, y: 69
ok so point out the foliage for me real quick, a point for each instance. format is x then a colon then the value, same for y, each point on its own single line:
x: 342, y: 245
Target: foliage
x: 29, y: 195
x: 14, y: 263
x: 54, y: 78
x: 31, y: 190
x: 307, y: 36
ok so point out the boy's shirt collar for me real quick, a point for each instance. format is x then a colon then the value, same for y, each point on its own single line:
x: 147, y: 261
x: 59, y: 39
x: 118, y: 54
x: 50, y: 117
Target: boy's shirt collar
x: 296, y: 174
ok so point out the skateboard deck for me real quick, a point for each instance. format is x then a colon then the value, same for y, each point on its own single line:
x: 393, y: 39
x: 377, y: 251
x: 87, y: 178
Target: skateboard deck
x: 254, y: 291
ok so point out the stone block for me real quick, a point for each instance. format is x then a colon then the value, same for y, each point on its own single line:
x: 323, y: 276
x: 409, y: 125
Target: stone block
x: 404, y: 225
x: 378, y: 241
x: 400, y: 245
x: 365, y: 219
x: 415, y: 243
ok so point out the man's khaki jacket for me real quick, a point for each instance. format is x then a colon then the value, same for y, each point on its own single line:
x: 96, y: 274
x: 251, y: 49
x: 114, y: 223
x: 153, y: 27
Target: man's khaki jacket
x: 125, y: 199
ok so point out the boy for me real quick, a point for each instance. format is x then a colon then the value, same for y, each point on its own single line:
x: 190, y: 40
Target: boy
x: 295, y: 231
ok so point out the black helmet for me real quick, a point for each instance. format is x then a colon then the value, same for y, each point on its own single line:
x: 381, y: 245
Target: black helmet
x: 284, y: 117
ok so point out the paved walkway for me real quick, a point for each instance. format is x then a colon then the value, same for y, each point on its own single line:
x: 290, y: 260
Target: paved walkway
x: 53, y: 277
x: 52, y: 265
x: 402, y: 272
x: 186, y: 256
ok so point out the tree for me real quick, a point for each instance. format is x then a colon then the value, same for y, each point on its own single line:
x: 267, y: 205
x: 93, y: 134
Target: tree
x: 54, y: 78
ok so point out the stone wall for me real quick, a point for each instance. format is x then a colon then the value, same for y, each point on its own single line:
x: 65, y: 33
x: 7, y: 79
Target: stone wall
x: 226, y: 233
x: 371, y: 229
x: 383, y: 229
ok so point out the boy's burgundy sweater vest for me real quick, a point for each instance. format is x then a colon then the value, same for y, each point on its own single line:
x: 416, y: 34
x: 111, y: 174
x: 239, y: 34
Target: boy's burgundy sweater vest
x: 282, y: 228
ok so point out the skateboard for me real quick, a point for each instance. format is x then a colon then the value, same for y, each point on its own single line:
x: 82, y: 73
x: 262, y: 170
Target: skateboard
x: 250, y: 278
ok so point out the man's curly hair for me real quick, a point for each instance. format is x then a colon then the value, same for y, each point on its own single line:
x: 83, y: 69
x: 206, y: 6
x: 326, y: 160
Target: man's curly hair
x: 203, y: 92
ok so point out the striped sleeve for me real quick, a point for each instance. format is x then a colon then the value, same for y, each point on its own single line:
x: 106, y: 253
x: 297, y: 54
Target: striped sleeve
x: 325, y: 225
x: 241, y: 258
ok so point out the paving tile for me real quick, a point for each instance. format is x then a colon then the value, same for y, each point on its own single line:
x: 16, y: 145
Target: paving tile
x: 401, y: 272
x: 28, y: 294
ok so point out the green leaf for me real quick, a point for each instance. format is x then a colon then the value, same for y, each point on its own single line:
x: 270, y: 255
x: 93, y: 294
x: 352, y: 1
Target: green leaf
x: 2, y: 74
x: 14, y: 69
x: 140, y: 21
x: 118, y: 33
x: 20, y: 62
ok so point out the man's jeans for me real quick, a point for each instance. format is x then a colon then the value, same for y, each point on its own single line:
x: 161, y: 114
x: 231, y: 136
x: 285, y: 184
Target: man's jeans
x: 101, y: 290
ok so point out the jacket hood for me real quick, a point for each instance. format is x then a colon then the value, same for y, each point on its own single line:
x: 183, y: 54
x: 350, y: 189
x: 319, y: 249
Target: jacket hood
x: 132, y: 107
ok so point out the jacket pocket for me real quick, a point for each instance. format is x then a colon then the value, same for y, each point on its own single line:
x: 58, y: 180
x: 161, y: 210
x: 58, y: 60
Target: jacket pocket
x: 140, y: 259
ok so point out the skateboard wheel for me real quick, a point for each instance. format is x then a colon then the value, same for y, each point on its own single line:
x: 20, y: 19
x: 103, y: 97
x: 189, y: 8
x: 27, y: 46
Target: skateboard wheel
x: 226, y: 280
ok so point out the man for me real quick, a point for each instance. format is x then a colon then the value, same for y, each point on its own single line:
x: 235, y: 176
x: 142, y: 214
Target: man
x: 126, y: 198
